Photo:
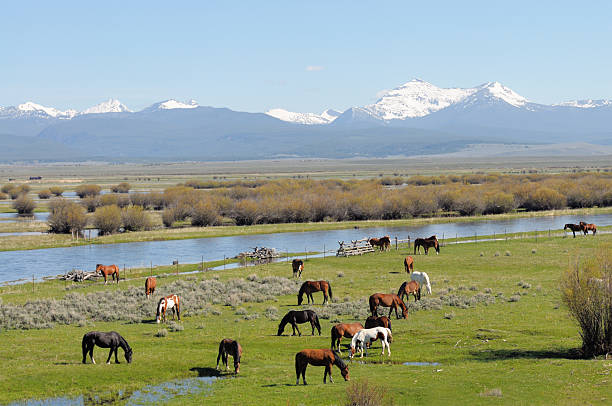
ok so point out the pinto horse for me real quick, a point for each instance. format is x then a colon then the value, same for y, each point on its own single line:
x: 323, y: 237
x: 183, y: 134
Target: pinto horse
x: 408, y: 264
x: 150, y: 284
x: 364, y: 337
x: 106, y: 270
x: 227, y: 346
x: 410, y: 288
x: 309, y: 287
x: 319, y: 358
x: 383, y: 243
x: 298, y: 266
x: 112, y: 340
x: 423, y: 279
x: 426, y: 243
x: 588, y: 227
x: 296, y: 317
x: 166, y: 303
x: 573, y: 228
x: 387, y: 300
x: 346, y: 330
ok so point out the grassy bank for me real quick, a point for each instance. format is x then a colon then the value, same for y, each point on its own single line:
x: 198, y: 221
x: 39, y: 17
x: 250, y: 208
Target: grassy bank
x: 519, y: 349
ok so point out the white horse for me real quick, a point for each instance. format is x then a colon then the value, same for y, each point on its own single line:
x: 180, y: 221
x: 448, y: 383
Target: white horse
x: 422, y: 279
x: 367, y: 335
x: 167, y: 303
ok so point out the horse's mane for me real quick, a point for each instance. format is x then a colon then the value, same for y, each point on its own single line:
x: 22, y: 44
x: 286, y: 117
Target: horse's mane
x: 157, y: 312
x: 124, y: 344
x: 338, y: 360
x: 303, y: 288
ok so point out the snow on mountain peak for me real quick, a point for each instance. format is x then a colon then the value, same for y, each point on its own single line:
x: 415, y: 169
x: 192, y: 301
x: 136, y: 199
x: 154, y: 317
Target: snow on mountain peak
x: 585, y: 104
x: 109, y: 106
x: 326, y: 117
x: 175, y: 104
x: 33, y: 108
x: 504, y: 93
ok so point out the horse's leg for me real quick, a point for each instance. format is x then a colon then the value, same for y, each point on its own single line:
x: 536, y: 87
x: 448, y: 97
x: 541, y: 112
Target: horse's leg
x: 116, y: 360
x: 304, y: 372
x: 110, y: 354
x: 225, y: 359
x: 325, y: 297
x: 390, y: 311
x: 93, y: 361
x: 312, y: 325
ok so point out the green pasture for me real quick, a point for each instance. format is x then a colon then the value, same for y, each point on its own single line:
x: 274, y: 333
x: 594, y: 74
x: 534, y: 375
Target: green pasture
x: 522, y: 349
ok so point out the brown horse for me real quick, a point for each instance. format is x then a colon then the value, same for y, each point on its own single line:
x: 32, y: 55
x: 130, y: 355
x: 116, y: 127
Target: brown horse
x: 383, y: 243
x: 227, y: 346
x: 346, y: 330
x: 426, y: 243
x: 573, y: 228
x: 378, y: 321
x: 108, y: 270
x: 150, y: 284
x: 309, y: 287
x: 320, y: 358
x: 408, y: 264
x: 298, y: 266
x: 410, y: 288
x: 588, y: 227
x: 387, y: 300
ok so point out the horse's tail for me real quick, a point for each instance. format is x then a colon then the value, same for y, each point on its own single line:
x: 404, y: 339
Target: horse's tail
x: 372, y: 304
x: 389, y: 324
x: 389, y: 335
x: 427, y: 284
x: 221, y: 349
x: 329, y: 289
x: 334, y: 333
x: 316, y: 321
x: 399, y: 292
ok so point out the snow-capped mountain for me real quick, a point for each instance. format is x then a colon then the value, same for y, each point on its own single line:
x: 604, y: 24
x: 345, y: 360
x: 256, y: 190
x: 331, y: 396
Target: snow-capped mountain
x: 172, y: 104
x: 109, y: 106
x: 33, y: 110
x: 326, y: 117
x: 585, y: 104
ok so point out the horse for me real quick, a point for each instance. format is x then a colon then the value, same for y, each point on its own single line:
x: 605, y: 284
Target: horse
x: 383, y: 243
x: 165, y: 303
x: 320, y: 358
x: 426, y: 243
x: 298, y: 266
x: 573, y: 228
x: 423, y: 279
x: 367, y: 335
x: 588, y: 227
x: 387, y: 300
x: 309, y: 287
x: 296, y: 317
x: 111, y: 340
x: 346, y: 330
x: 227, y: 346
x: 378, y: 321
x: 410, y: 288
x: 150, y: 284
x: 108, y: 270
x: 408, y: 264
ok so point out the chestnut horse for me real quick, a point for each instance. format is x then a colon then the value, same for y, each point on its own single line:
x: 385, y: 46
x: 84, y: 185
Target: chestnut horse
x: 309, y: 287
x: 150, y: 284
x: 319, y: 358
x: 426, y: 243
x: 346, y: 330
x: 387, y: 300
x: 165, y: 303
x: 588, y: 227
x: 408, y: 264
x: 383, y: 243
x: 573, y: 228
x: 108, y: 270
x: 410, y: 288
x: 298, y: 266
x: 227, y: 346
x: 378, y: 321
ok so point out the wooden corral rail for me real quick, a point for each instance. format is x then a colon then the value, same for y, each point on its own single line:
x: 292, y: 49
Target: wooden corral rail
x: 358, y: 247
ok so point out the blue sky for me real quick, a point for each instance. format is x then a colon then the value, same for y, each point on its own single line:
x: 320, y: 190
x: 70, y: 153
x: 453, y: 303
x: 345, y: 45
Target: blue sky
x: 302, y: 56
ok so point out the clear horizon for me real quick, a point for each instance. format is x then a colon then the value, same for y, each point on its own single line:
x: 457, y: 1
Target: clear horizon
x: 299, y: 57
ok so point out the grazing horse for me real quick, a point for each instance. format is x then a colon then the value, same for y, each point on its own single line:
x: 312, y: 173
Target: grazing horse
x: 150, y: 284
x: 296, y: 317
x: 387, y: 300
x: 426, y: 243
x: 346, y: 330
x: 111, y: 340
x: 227, y: 346
x: 410, y: 288
x: 423, y: 279
x: 378, y: 321
x: 106, y: 270
x: 367, y: 335
x: 298, y: 266
x: 166, y: 303
x: 383, y: 243
x: 319, y: 358
x: 588, y: 227
x: 408, y: 264
x: 573, y: 228
x: 309, y: 287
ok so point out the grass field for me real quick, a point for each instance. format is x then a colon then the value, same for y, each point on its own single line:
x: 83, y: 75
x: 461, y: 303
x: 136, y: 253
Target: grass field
x: 521, y: 349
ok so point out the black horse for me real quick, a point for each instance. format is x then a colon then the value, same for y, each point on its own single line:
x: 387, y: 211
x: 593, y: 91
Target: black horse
x: 426, y: 243
x: 574, y: 228
x: 110, y: 340
x: 296, y: 317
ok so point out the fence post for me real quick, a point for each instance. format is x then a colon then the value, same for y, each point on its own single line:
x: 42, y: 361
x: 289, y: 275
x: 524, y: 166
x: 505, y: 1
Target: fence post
x: 456, y: 239
x: 202, y: 262
x: 224, y: 262
x: 443, y: 239
x: 506, y: 234
x: 494, y: 236
x: 151, y: 268
x: 396, y: 243
x: 306, y: 254
x: 475, y: 237
x: 409, y: 243
x: 323, y: 251
x: 32, y: 283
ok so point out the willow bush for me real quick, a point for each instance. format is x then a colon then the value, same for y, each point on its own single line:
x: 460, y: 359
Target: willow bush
x: 107, y: 219
x: 56, y: 190
x: 88, y: 190
x: 66, y: 216
x: 135, y: 218
x: 24, y: 205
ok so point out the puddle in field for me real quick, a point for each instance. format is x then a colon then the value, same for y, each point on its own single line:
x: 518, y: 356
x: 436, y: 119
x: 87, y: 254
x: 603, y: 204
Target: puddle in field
x: 420, y: 364
x: 21, y: 233
x: 149, y: 395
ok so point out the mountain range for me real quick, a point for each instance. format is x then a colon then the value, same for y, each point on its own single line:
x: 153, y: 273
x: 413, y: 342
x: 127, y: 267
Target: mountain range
x: 414, y: 119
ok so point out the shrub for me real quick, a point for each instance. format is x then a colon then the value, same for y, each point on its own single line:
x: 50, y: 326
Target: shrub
x: 109, y: 199
x: 204, y: 213
x: 544, y: 198
x: 24, y: 205
x: 87, y: 190
x: 44, y: 194
x: 107, y: 219
x: 169, y: 217
x: 17, y: 191
x: 56, y: 190
x: 7, y: 188
x: 365, y: 393
x: 66, y: 216
x: 161, y: 333
x: 498, y: 203
x: 515, y: 298
x: 507, y: 253
x: 91, y: 203
x: 3, y: 196
x: 586, y: 289
x: 134, y: 218
x: 174, y: 327
x: 123, y: 187
x: 496, y: 392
